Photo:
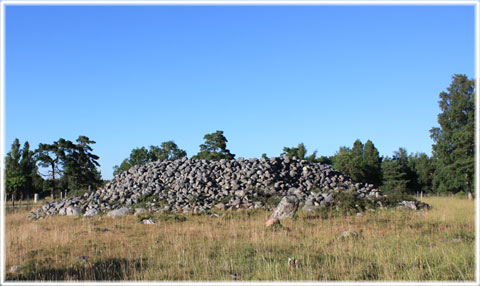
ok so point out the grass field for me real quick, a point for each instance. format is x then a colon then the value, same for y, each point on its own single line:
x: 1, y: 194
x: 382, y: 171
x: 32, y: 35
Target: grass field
x: 438, y: 244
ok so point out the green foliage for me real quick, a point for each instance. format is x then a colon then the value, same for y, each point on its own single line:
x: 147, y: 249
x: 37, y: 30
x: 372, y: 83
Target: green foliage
x: 362, y: 163
x: 214, y: 148
x: 165, y: 217
x: 461, y: 194
x: 74, y: 163
x: 347, y: 203
x: 146, y: 199
x: 21, y: 176
x: 424, y: 168
x: 167, y: 151
x: 324, y: 160
x: 299, y: 152
x: 394, y: 176
x: 80, y: 165
x: 396, y: 195
x: 77, y: 192
x: 454, y: 140
x: 399, y: 173
x: 124, y: 166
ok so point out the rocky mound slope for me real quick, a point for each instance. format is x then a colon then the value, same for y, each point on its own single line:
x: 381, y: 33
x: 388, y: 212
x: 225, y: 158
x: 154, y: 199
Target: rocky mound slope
x: 191, y: 185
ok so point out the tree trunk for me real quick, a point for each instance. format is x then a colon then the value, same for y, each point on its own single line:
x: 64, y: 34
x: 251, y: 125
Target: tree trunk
x: 469, y: 188
x: 53, y: 180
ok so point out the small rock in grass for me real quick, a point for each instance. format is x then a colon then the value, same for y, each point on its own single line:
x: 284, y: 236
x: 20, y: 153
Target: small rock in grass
x: 348, y: 233
x: 272, y: 221
x: 82, y: 259
x: 14, y: 268
x: 147, y: 221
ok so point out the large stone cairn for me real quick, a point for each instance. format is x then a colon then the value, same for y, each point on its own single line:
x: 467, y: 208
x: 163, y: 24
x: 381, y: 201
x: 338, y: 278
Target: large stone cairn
x: 193, y: 185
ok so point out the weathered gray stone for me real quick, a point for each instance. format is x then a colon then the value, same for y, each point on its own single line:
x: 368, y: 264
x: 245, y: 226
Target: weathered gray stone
x: 139, y: 211
x: 73, y: 211
x: 286, y: 208
x: 309, y: 208
x: 147, y: 221
x: 119, y: 212
x: 14, y: 268
x: 240, y: 193
x: 411, y: 205
x: 91, y: 212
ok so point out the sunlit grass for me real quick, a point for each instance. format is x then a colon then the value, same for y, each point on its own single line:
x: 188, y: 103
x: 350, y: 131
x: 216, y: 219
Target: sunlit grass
x: 391, y: 245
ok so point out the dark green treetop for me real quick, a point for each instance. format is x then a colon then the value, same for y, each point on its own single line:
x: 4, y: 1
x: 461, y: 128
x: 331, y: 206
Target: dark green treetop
x: 20, y: 170
x: 80, y: 166
x: 75, y: 164
x: 214, y: 148
x: 361, y: 162
x: 167, y: 151
x: 300, y: 152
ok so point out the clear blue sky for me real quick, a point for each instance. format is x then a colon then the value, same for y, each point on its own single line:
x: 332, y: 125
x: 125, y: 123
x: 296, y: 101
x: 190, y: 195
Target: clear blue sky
x: 268, y: 76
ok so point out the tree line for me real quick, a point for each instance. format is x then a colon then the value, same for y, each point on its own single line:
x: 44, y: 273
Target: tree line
x: 51, y: 168
x: 449, y: 169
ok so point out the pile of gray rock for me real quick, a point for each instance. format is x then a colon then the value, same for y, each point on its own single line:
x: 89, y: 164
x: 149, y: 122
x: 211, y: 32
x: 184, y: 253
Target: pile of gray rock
x: 192, y: 185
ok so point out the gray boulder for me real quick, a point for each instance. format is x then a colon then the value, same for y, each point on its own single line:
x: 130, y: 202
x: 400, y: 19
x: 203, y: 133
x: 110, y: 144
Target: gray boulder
x: 139, y: 211
x: 91, y: 212
x: 119, y: 212
x: 73, y: 211
x: 286, y: 208
x: 62, y: 211
x: 411, y: 205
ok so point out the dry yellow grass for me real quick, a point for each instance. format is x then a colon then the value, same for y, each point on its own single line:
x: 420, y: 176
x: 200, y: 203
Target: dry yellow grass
x: 399, y: 246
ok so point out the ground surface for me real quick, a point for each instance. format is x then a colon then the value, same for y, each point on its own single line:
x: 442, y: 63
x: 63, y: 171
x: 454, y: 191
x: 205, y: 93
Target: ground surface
x: 395, y: 246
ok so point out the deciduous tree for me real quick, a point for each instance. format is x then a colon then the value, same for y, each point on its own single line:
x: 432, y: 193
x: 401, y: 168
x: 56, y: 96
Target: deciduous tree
x: 454, y: 140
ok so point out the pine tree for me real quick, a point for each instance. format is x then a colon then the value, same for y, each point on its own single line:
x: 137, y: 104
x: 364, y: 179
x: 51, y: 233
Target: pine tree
x: 362, y: 162
x: 21, y: 176
x: 80, y: 164
x: 394, y: 176
x: 372, y: 164
x: 214, y: 148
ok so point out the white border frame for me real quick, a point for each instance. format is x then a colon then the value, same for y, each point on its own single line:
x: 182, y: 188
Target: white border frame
x: 238, y: 3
